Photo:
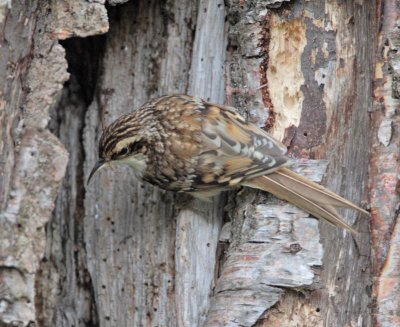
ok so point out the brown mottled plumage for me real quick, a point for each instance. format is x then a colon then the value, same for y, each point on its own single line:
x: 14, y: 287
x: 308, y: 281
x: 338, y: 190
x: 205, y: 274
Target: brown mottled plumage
x: 184, y: 144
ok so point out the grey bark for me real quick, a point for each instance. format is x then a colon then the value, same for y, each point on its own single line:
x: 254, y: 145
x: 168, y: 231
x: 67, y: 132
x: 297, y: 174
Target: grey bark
x: 32, y: 159
x: 122, y: 253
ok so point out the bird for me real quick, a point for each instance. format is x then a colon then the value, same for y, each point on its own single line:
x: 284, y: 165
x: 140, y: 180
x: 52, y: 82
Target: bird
x: 184, y: 144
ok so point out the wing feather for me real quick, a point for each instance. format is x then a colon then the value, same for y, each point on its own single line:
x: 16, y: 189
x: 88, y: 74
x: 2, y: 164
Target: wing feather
x: 238, y: 150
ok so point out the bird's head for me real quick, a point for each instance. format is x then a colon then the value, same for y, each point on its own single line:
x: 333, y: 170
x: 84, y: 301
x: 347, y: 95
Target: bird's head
x: 123, y: 142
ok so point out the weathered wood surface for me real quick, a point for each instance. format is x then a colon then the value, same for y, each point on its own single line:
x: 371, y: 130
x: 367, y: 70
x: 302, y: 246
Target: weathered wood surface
x: 199, y: 225
x: 146, y: 264
x: 121, y: 253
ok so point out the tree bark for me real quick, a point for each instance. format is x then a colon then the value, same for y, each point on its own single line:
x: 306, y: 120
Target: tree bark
x: 319, y: 75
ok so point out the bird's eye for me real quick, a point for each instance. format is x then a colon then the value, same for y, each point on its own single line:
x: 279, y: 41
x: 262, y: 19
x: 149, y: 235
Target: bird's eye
x: 123, y: 151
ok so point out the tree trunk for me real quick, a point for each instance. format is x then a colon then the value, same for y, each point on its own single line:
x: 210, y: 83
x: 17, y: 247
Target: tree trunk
x: 319, y: 75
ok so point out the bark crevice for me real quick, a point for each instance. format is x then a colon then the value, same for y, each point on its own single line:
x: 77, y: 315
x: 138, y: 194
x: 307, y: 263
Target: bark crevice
x: 64, y: 266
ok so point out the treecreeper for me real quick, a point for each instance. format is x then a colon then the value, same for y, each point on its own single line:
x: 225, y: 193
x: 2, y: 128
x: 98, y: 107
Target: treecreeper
x: 185, y: 144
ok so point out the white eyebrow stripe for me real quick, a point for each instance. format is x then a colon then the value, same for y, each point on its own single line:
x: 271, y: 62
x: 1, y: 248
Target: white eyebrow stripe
x: 125, y: 142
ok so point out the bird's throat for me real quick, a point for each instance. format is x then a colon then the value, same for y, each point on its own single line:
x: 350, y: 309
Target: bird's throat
x: 137, y: 163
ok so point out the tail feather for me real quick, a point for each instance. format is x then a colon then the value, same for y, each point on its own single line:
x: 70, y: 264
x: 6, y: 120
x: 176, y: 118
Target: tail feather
x: 307, y: 195
x: 329, y: 198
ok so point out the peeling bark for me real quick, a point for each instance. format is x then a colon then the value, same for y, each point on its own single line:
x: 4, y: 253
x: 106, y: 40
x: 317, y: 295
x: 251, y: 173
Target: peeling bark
x: 319, y: 112
x: 273, y: 246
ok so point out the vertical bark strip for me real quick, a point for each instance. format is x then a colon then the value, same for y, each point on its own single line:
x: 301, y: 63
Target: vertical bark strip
x: 32, y: 160
x: 385, y: 170
x: 346, y: 81
x: 199, y: 225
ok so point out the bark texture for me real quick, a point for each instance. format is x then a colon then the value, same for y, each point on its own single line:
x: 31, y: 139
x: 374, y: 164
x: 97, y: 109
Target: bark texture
x: 319, y: 75
x: 315, y: 72
x: 32, y: 159
x: 385, y: 169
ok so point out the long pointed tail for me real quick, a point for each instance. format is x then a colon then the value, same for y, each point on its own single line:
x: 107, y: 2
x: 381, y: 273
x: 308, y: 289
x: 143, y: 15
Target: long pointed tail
x: 307, y: 195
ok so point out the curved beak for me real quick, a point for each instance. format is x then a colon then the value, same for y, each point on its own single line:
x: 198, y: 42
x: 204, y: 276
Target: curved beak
x: 99, y: 164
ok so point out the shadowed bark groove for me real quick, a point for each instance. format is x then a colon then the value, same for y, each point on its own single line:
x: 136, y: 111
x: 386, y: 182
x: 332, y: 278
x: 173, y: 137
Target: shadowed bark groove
x: 63, y: 273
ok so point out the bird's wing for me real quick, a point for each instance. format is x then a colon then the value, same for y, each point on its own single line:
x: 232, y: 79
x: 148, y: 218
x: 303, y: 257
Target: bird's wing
x: 227, y: 151
x: 233, y: 150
